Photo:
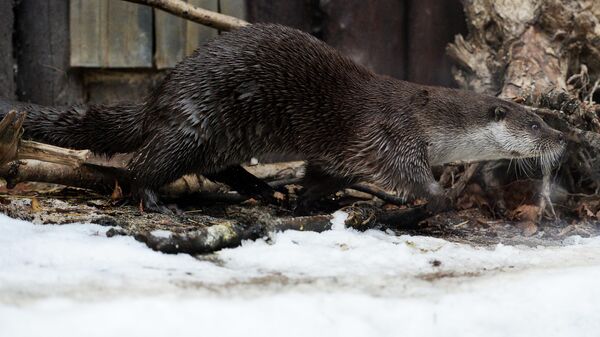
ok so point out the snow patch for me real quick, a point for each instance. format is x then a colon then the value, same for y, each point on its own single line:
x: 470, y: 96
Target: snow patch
x: 161, y: 233
x: 71, y: 280
x: 338, y: 220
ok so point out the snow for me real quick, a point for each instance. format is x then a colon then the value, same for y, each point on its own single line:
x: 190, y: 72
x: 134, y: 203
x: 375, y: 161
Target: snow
x: 338, y: 222
x: 71, y: 280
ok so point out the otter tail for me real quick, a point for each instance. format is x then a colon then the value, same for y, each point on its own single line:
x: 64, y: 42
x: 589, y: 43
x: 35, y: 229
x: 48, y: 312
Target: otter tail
x: 103, y: 129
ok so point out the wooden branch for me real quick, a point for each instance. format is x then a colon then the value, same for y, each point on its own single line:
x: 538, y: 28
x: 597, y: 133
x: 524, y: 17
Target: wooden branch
x: 11, y: 129
x: 379, y: 193
x: 277, y: 171
x: 96, y: 178
x: 230, y: 233
x: 196, y: 14
x: 13, y: 148
x: 52, y: 154
x: 462, y: 182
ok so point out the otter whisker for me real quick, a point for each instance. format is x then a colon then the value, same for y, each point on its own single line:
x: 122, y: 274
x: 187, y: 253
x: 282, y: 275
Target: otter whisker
x: 509, y: 164
x: 525, y: 166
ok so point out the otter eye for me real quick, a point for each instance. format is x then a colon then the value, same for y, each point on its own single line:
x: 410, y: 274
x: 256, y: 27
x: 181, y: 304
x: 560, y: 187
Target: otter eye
x: 535, y: 126
x: 499, y: 113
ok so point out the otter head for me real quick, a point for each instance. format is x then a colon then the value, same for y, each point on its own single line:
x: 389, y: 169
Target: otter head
x: 516, y: 133
x: 472, y: 127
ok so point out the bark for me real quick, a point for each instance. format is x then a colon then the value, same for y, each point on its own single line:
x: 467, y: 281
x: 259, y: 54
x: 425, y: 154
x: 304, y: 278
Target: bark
x: 526, y: 48
x: 226, y: 233
x: 545, y: 54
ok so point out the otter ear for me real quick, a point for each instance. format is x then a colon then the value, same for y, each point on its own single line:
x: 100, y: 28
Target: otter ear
x: 499, y: 113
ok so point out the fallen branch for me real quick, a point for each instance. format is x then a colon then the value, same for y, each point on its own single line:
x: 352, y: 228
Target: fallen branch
x: 96, y: 178
x: 52, y: 154
x: 11, y: 129
x: 13, y: 148
x: 230, y: 233
x: 462, y: 182
x: 375, y: 191
x: 277, y: 171
x: 196, y: 14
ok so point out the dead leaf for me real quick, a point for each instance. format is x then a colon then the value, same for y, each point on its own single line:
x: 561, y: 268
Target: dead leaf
x: 528, y: 228
x: 35, y: 205
x: 525, y: 213
x: 589, y: 209
x: 279, y: 196
x: 473, y: 196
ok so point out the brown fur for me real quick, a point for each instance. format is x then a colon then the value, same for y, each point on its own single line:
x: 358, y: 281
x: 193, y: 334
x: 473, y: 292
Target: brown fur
x: 272, y: 89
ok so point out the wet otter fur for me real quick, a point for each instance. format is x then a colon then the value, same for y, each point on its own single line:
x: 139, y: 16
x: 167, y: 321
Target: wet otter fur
x: 272, y: 89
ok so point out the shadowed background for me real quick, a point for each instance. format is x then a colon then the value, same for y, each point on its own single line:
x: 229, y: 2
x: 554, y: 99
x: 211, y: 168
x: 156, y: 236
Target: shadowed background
x: 56, y: 52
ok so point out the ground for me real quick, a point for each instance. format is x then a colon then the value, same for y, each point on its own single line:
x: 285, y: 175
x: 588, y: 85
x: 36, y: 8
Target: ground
x: 73, y: 280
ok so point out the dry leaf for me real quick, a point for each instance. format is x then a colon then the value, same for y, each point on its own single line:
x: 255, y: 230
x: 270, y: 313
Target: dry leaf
x: 473, y: 196
x: 589, y: 209
x: 35, y: 205
x: 525, y: 213
x: 528, y: 228
x: 279, y: 196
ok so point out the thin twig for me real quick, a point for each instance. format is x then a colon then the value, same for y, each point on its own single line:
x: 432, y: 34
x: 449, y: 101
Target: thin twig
x: 196, y: 14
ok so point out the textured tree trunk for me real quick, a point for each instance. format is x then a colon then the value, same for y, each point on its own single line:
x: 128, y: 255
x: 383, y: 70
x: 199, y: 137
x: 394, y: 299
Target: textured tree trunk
x: 529, y: 48
x: 546, y: 54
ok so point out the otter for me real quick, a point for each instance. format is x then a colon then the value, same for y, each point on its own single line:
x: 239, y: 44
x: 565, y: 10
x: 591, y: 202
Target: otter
x: 267, y: 88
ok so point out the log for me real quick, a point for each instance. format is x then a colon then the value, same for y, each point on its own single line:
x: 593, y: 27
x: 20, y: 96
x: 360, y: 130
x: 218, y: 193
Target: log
x: 95, y: 178
x: 230, y: 233
x: 13, y: 148
x: 277, y: 171
x: 11, y: 129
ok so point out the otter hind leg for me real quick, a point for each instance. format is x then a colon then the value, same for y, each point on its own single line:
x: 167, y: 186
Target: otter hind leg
x: 319, y: 184
x: 244, y: 182
x: 161, y: 160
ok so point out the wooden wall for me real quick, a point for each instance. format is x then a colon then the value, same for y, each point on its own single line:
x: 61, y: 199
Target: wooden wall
x: 176, y: 38
x: 7, y: 62
x: 42, y: 41
x: 115, y: 50
x: 110, y: 34
x: 432, y: 25
x: 372, y: 33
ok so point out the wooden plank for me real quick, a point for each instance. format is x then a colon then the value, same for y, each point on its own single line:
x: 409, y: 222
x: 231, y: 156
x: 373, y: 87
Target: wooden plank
x: 7, y: 62
x: 109, y: 33
x: 433, y: 24
x: 197, y: 34
x: 86, y: 32
x: 119, y: 85
x: 44, y: 76
x: 170, y: 36
x: 129, y: 39
x: 370, y: 32
x: 177, y: 38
